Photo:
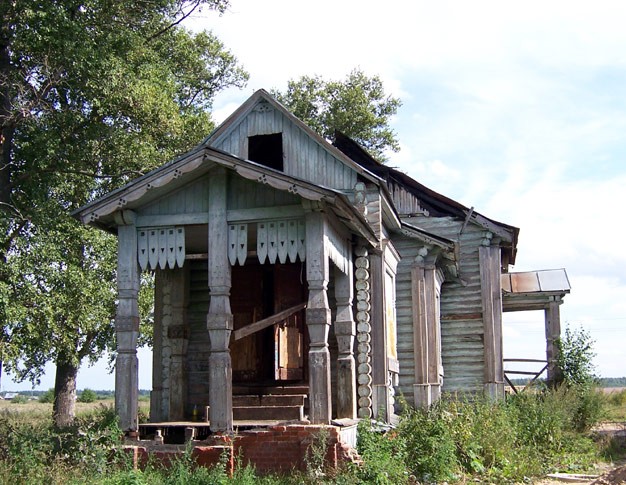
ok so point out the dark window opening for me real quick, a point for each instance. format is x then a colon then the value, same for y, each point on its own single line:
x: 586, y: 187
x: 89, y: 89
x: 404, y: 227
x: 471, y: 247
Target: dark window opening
x: 266, y: 150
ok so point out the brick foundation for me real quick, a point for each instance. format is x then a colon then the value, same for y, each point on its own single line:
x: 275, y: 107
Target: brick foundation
x: 276, y: 449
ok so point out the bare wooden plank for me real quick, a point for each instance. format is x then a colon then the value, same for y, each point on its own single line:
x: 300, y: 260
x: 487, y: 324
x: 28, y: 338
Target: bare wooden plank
x: 267, y: 322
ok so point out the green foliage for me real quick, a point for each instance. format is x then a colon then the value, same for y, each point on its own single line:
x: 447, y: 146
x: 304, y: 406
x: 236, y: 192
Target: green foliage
x: 19, y: 399
x: 87, y: 396
x: 431, y: 452
x: 315, y: 457
x: 47, y: 397
x: 383, y: 454
x: 92, y: 94
x: 575, y: 357
x: 357, y: 106
x: 30, y: 448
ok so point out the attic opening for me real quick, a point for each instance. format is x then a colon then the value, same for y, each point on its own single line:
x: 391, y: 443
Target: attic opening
x: 266, y: 150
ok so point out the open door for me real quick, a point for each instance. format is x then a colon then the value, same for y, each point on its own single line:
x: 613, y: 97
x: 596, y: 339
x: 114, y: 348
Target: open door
x: 289, y: 335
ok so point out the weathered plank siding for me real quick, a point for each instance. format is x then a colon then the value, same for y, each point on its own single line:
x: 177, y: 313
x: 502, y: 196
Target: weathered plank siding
x: 462, y: 330
x: 192, y: 198
x: 303, y: 157
x: 247, y: 194
x: 408, y: 249
x: 198, y: 348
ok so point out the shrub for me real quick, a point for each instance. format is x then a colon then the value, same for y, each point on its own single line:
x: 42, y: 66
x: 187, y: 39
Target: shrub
x: 383, y: 453
x: 47, y: 397
x: 87, y: 396
x: 575, y: 357
x: 430, y: 447
x: 19, y: 399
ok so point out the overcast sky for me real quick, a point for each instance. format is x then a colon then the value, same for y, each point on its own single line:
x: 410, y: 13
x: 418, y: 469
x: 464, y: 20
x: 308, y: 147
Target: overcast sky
x: 516, y: 109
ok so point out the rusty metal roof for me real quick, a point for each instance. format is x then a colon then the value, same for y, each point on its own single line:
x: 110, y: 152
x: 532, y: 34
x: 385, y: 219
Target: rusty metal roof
x: 549, y: 280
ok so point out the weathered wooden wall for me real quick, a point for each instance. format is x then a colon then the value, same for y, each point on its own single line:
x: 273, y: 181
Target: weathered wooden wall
x: 462, y: 330
x: 303, y: 157
x: 198, y: 348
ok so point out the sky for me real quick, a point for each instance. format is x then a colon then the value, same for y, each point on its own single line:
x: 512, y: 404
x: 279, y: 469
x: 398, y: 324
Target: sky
x: 517, y: 109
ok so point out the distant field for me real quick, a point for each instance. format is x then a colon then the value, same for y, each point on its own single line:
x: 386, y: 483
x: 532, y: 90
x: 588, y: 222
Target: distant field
x: 610, y: 390
x: 46, y: 408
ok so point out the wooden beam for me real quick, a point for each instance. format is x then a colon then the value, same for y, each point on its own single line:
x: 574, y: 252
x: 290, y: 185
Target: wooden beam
x: 267, y: 322
x: 260, y: 213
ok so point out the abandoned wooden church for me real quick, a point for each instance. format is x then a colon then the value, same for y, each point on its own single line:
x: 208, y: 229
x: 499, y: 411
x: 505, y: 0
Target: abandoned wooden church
x: 301, y: 280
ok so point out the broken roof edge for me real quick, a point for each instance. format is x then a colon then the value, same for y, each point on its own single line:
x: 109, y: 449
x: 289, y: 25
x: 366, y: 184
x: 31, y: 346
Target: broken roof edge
x: 344, y: 142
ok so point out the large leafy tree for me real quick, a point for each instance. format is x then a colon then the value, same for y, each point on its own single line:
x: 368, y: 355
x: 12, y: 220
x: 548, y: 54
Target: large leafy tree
x: 356, y: 106
x: 92, y: 93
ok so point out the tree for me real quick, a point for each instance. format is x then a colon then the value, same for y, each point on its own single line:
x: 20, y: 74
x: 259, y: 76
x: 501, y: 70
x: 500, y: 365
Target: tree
x: 575, y: 357
x: 358, y: 107
x: 92, y: 94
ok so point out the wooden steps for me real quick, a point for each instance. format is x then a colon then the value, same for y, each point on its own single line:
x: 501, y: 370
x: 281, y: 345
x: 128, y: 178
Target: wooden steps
x: 283, y: 407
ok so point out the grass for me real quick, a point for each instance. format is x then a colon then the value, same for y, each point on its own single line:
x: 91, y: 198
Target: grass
x: 455, y: 441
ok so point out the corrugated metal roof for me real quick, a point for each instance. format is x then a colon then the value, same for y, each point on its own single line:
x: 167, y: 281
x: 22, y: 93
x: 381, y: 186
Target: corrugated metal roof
x: 549, y: 280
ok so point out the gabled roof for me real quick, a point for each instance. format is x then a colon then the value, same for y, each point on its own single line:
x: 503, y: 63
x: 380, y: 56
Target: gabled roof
x: 261, y: 95
x: 198, y: 162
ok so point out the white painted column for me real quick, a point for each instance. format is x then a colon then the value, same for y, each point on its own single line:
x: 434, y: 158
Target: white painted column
x: 345, y: 333
x: 127, y: 323
x: 318, y: 319
x: 219, y: 318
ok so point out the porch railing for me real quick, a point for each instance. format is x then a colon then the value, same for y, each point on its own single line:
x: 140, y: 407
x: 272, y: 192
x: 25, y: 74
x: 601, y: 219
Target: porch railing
x: 535, y: 375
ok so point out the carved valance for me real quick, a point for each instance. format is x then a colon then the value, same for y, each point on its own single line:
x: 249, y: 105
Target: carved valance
x: 162, y: 247
x: 282, y: 240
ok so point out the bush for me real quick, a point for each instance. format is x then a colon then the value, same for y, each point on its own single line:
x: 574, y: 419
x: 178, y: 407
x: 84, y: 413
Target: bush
x: 47, y: 397
x: 575, y: 357
x: 430, y: 446
x: 19, y: 399
x: 383, y: 453
x: 87, y: 396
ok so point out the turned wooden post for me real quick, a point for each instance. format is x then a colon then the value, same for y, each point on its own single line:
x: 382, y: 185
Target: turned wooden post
x: 318, y: 319
x: 219, y: 318
x: 345, y: 333
x: 127, y: 323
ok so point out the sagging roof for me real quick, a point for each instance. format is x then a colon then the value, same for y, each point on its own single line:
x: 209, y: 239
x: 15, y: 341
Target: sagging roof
x: 436, y: 204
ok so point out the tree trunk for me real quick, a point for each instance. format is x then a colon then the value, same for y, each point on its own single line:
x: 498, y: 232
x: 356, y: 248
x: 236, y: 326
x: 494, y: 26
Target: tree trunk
x: 64, y: 408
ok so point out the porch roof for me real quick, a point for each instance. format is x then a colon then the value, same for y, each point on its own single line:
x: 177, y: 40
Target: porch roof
x: 105, y: 212
x: 533, y: 290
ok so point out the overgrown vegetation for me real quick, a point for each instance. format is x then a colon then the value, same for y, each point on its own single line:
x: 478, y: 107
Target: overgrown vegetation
x: 526, y: 436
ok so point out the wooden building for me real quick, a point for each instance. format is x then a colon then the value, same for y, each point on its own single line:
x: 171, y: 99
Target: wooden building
x: 286, y: 265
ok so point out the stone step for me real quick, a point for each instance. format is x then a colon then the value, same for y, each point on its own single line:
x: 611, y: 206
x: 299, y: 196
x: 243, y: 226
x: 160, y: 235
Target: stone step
x: 269, y: 400
x: 261, y: 413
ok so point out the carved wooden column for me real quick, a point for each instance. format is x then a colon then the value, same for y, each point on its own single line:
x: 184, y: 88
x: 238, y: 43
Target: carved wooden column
x: 178, y: 336
x: 380, y: 370
x: 491, y: 292
x: 426, y: 389
x: 364, y: 331
x: 318, y: 319
x: 553, y: 333
x: 127, y: 322
x: 219, y: 318
x: 345, y: 332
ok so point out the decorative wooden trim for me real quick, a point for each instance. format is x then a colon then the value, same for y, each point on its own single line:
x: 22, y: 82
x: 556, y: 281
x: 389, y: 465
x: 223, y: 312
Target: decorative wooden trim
x: 162, y: 247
